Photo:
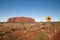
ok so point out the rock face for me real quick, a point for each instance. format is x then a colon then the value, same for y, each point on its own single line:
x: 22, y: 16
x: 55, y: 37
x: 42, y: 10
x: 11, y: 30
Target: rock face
x: 21, y: 19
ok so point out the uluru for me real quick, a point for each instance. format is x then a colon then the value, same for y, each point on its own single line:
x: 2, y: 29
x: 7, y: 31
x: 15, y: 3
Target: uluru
x: 21, y: 19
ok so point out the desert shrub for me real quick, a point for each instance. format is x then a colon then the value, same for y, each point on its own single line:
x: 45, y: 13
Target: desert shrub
x: 14, y: 36
x: 39, y: 37
x: 43, y: 23
x: 13, y: 29
x: 4, y: 31
x: 0, y: 25
x: 1, y: 35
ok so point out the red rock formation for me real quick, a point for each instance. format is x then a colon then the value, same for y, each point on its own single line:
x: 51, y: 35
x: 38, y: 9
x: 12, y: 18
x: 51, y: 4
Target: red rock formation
x: 21, y: 19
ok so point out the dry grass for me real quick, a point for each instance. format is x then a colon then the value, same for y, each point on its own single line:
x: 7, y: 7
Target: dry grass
x: 29, y: 31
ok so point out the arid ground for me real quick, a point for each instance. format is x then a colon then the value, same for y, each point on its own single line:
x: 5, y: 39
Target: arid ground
x: 29, y: 31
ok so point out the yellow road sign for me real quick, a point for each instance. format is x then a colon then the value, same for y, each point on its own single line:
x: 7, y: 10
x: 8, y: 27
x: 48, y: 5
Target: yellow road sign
x: 48, y: 19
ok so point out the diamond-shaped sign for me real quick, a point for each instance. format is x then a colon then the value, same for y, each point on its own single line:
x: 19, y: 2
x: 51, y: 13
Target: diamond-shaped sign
x: 48, y: 19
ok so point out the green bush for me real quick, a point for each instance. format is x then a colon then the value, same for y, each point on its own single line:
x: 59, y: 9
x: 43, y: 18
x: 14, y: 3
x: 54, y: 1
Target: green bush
x: 39, y: 37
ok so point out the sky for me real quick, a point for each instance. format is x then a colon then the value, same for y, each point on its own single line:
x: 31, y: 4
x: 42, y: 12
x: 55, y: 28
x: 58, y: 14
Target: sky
x: 37, y: 9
